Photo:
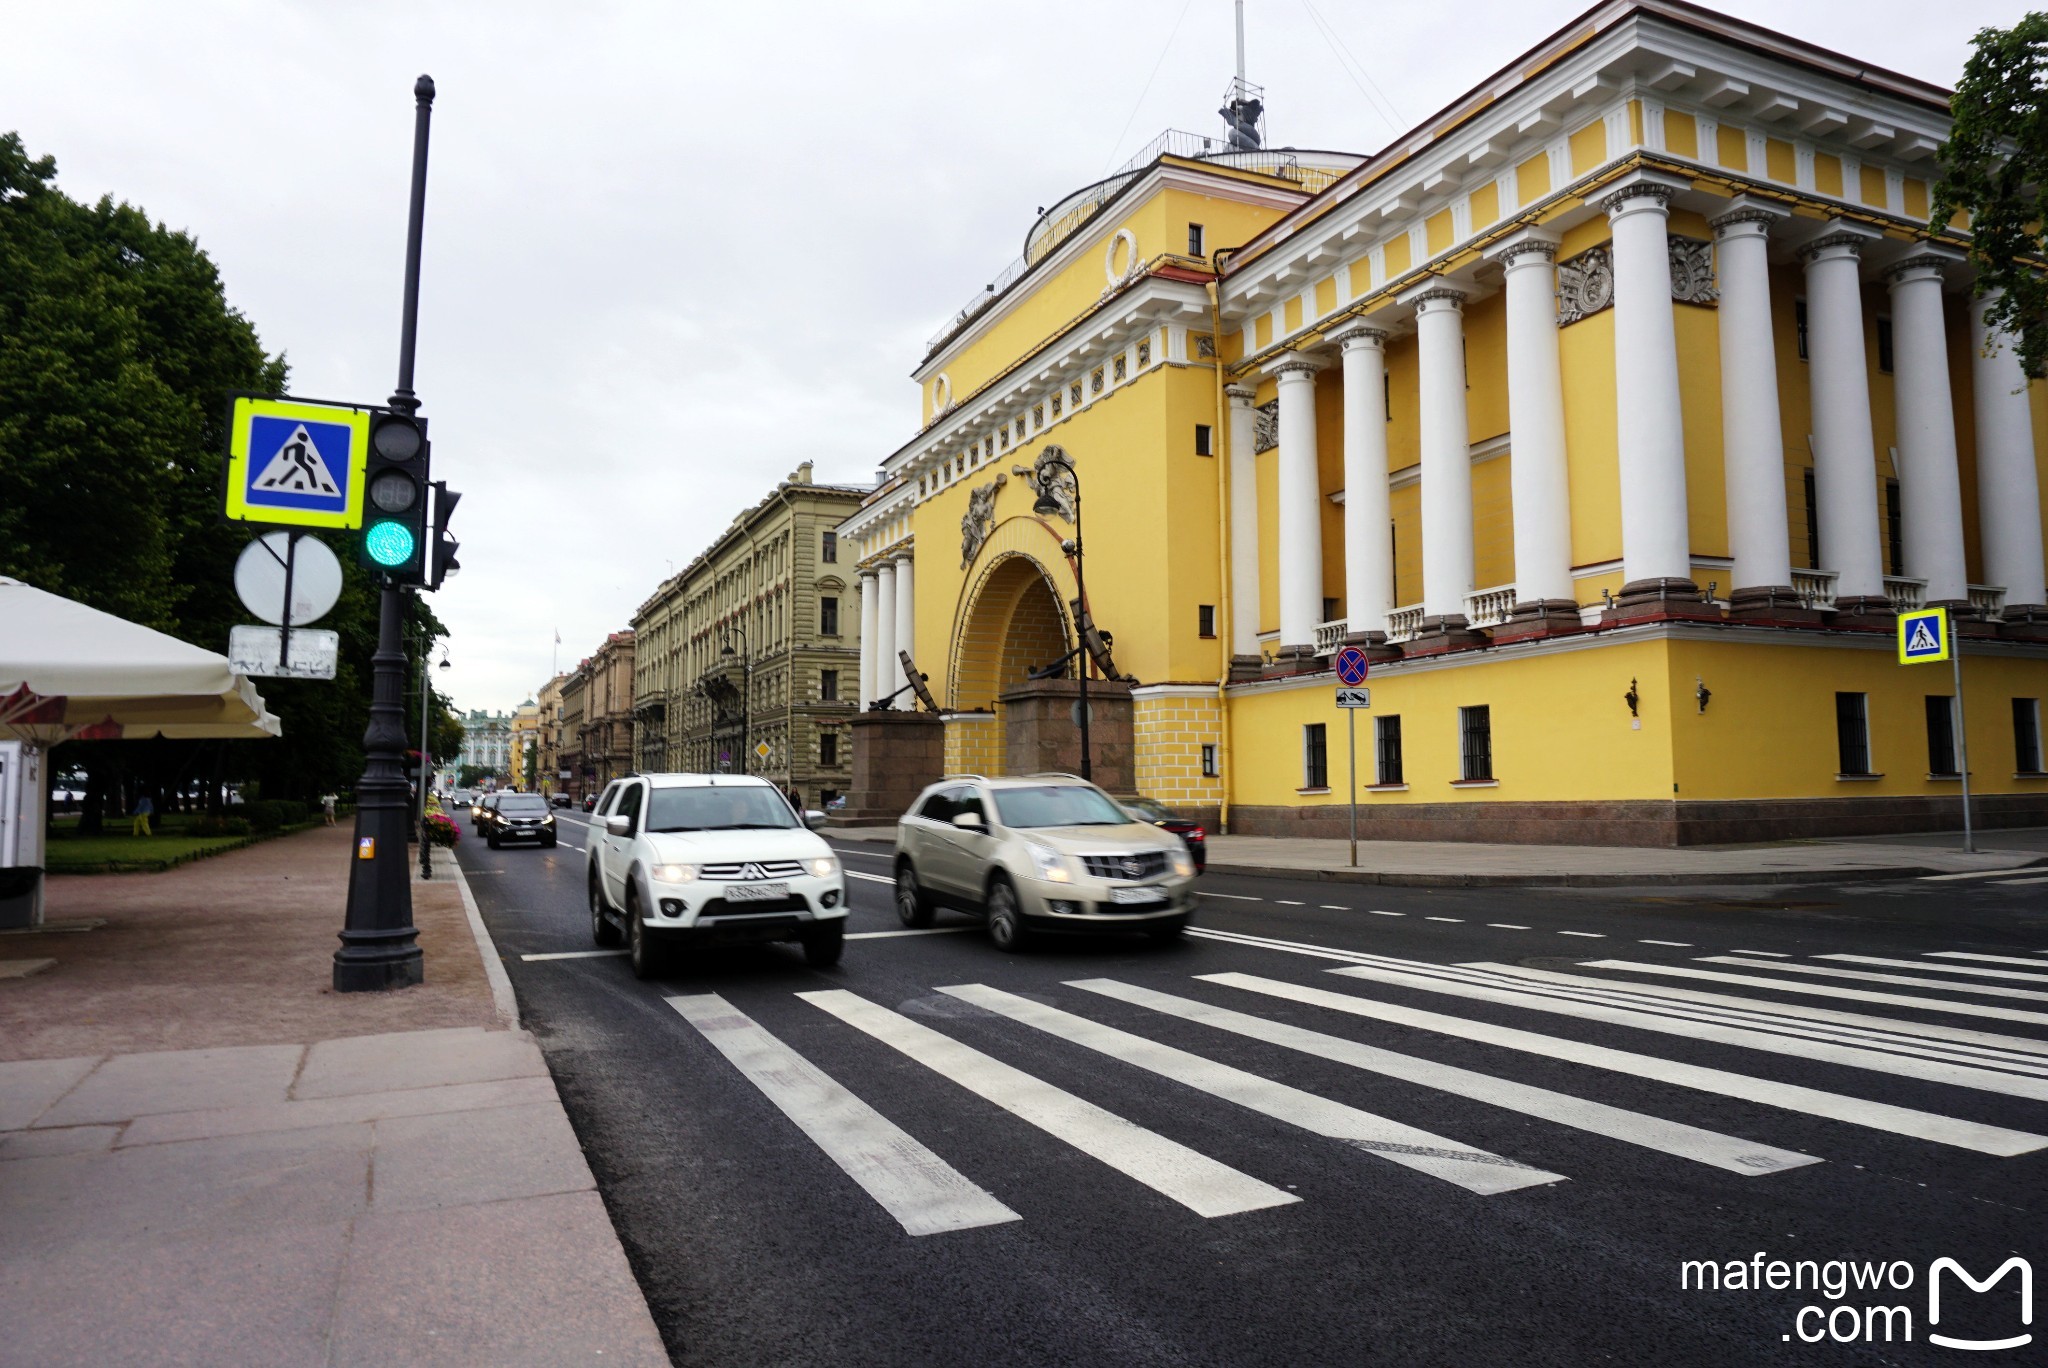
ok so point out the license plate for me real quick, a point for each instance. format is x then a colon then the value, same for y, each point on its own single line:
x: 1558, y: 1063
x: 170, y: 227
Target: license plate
x: 1147, y: 894
x: 756, y: 892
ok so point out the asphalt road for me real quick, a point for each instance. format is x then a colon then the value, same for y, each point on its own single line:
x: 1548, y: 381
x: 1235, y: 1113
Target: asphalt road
x: 1435, y: 1165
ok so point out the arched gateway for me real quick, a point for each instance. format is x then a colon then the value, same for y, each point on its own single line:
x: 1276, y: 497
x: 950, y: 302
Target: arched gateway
x: 1010, y: 622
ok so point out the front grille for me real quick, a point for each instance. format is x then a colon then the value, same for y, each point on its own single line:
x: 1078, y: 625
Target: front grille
x: 1146, y: 864
x: 754, y: 869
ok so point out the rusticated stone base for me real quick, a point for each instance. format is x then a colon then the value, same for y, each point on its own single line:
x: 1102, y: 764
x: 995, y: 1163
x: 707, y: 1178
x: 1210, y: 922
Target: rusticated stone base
x: 1246, y: 668
x: 1438, y: 635
x: 1540, y: 618
x: 1042, y: 722
x: 1772, y: 605
x: 1865, y: 613
x: 1377, y: 648
x: 2025, y: 622
x: 895, y: 754
x: 1642, y: 823
x: 1660, y: 600
x: 1288, y: 661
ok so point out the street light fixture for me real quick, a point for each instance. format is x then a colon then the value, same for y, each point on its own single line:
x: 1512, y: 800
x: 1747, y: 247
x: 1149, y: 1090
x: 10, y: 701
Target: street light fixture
x: 1053, y: 464
x: 746, y: 661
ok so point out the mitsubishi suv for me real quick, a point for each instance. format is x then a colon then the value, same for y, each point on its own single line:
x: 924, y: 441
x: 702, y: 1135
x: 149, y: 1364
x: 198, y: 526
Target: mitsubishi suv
x: 709, y: 859
x: 1048, y: 852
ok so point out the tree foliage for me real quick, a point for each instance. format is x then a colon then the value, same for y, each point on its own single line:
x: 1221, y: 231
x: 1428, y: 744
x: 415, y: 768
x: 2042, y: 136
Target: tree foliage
x: 1995, y: 167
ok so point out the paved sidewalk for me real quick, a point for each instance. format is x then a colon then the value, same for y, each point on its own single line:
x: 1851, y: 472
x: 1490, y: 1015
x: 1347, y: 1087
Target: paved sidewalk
x: 1460, y: 864
x: 289, y: 1184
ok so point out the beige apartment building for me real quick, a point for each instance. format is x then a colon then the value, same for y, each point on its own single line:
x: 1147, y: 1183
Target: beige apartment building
x: 524, y: 752
x: 548, y: 735
x: 605, y: 730
x: 570, y: 772
x: 749, y: 657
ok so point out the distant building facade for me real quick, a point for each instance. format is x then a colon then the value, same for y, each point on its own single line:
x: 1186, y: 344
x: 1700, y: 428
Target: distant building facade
x: 607, y: 725
x: 524, y: 745
x: 486, y: 743
x: 548, y: 732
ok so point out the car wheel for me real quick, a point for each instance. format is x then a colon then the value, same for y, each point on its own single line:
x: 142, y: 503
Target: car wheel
x: 1167, y: 932
x: 823, y: 943
x: 601, y: 929
x: 913, y: 904
x: 1005, y: 921
x: 549, y: 843
x: 492, y: 841
x: 639, y: 945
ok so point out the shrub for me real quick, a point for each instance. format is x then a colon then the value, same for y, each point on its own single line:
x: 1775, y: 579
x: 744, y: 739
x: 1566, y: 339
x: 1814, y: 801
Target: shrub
x: 220, y: 826
x: 292, y: 812
x: 265, y: 815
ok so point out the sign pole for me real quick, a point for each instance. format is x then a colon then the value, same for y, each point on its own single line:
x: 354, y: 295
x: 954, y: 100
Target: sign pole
x: 1351, y: 719
x: 1955, y: 655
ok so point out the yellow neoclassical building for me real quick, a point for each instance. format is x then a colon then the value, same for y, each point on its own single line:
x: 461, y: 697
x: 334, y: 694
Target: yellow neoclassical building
x: 1615, y: 410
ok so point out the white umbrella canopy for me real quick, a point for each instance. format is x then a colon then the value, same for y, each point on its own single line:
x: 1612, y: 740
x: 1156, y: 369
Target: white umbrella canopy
x: 69, y: 672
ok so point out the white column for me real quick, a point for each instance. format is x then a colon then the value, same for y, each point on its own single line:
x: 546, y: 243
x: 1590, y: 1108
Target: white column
x: 1538, y: 476
x: 1844, y: 451
x: 1244, y: 522
x: 2008, y: 487
x: 1446, y: 455
x: 1301, y: 497
x: 885, y: 631
x: 906, y: 628
x: 1752, y: 436
x: 868, y: 592
x: 1930, y: 484
x: 1368, y: 509
x: 1656, y: 541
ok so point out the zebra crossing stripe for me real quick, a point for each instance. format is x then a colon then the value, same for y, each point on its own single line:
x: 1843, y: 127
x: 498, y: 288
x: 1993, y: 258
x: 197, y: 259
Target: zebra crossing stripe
x: 1695, y: 1025
x: 1196, y: 1181
x: 1854, y: 1111
x: 1987, y: 959
x: 923, y: 1192
x: 1732, y: 1153
x: 1476, y: 1170
x: 1908, y: 980
x: 1938, y: 968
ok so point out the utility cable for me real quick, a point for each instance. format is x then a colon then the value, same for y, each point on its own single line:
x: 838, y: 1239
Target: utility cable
x: 1148, y: 86
x: 1381, y: 104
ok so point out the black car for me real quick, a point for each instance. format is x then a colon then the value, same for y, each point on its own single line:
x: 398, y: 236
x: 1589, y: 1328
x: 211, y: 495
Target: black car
x: 1190, y: 832
x: 517, y: 817
x: 478, y: 808
x: 560, y: 800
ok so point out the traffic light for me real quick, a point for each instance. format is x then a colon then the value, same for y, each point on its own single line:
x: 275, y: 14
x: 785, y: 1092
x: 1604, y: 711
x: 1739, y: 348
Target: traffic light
x: 441, y: 562
x: 395, y: 497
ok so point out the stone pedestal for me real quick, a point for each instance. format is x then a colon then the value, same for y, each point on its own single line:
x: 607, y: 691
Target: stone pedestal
x: 1377, y: 648
x: 1771, y: 605
x: 1868, y: 613
x: 1438, y: 635
x: 1245, y: 668
x: 1043, y: 722
x: 1660, y: 600
x: 2024, y: 622
x: 895, y: 754
x: 1288, y: 661
x: 1541, y: 618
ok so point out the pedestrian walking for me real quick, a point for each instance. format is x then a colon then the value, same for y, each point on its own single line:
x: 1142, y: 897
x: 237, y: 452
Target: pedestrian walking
x: 144, y: 810
x: 327, y: 808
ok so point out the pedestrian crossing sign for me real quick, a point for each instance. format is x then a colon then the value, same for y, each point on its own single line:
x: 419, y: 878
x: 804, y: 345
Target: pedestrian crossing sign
x: 296, y: 464
x: 1923, y: 636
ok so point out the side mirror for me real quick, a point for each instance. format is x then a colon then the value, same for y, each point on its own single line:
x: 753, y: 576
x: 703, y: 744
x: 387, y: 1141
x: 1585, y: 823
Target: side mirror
x: 814, y: 819
x: 619, y: 826
x: 969, y: 821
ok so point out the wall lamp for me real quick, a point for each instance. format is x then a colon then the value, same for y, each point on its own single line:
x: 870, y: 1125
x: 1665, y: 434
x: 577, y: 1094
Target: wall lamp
x: 1632, y: 698
x: 1701, y: 692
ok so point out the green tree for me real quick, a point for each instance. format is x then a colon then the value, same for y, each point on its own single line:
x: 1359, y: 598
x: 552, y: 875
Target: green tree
x: 1995, y: 168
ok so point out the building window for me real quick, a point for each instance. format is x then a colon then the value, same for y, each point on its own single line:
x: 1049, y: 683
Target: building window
x: 1799, y: 325
x: 1852, y: 732
x: 828, y: 616
x: 1475, y: 727
x: 1941, y: 735
x: 1812, y: 519
x: 1884, y: 345
x: 1387, y: 742
x: 1315, y: 756
x: 2026, y: 735
x: 828, y: 748
x: 1205, y: 618
x: 1894, y: 532
x: 1204, y: 440
x: 828, y: 686
x: 1208, y: 761
x: 830, y: 551
x: 1195, y: 240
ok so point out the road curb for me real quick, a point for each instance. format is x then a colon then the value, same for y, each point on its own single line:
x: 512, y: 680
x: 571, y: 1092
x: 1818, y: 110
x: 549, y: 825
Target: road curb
x: 494, y: 967
x: 1654, y: 880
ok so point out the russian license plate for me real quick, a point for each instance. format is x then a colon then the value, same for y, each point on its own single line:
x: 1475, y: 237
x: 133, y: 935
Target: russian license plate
x: 1149, y: 893
x: 756, y: 892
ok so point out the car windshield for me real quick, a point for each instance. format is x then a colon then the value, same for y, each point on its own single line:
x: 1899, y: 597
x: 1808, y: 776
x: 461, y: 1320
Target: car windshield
x: 1057, y: 805
x: 1147, y: 809
x: 522, y: 802
x: 718, y: 807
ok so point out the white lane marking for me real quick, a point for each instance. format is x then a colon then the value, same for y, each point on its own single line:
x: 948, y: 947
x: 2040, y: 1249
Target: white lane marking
x: 571, y: 844
x: 871, y: 878
x: 1767, y: 954
x: 923, y: 1192
x: 1332, y: 907
x: 1196, y: 1181
x: 574, y: 954
x: 1855, y: 1111
x: 1444, y: 919
x: 1233, y: 897
x: 1233, y: 938
x: 1589, y: 935
x: 2021, y: 883
x: 917, y: 931
x: 1475, y: 1170
x: 1938, y: 968
x: 1508, y: 926
x: 1377, y: 913
x: 1973, y: 874
x: 1729, y: 1152
x: 1909, y: 980
x: 1985, y: 959
x: 1867, y: 1027
x: 1289, y: 902
x: 1682, y: 945
x: 1699, y: 1026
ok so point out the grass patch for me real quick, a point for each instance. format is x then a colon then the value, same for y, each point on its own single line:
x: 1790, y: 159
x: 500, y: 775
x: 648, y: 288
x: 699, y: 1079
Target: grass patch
x: 66, y: 852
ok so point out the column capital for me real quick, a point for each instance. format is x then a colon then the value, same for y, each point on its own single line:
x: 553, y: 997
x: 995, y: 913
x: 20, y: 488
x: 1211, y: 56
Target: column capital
x: 866, y: 572
x: 1640, y: 191
x: 1837, y: 240
x: 1435, y: 290
x: 1748, y: 216
x: 1530, y: 246
x: 1241, y: 395
x: 1294, y: 366
x: 1926, y: 261
x: 1356, y: 334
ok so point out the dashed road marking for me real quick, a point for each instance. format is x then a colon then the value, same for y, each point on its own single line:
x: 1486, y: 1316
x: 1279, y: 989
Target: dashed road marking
x: 1289, y: 902
x: 1332, y: 907
x: 1444, y: 919
x: 1682, y: 945
x: 1589, y: 935
x: 1507, y: 926
x: 1377, y: 913
x: 2020, y: 883
x: 574, y: 954
x: 1233, y: 897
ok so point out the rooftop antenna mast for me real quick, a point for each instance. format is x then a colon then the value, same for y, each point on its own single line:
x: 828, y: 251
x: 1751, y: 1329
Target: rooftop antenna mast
x: 1244, y: 104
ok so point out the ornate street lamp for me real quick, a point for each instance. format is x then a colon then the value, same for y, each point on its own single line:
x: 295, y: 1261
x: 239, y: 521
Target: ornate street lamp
x: 1054, y: 466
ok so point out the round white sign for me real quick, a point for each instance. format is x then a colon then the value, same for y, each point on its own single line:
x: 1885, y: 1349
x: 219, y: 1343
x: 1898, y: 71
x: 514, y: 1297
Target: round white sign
x: 315, y: 576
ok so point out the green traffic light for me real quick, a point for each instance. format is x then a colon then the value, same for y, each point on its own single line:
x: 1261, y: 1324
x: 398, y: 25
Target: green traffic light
x: 390, y: 544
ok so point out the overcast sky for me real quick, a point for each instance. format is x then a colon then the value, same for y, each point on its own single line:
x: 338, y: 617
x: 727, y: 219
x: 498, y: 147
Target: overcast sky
x: 672, y: 250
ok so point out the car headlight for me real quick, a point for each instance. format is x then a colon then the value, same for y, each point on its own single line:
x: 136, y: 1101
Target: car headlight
x: 674, y: 873
x: 824, y: 867
x: 1182, y: 864
x: 548, y: 820
x: 1052, y: 866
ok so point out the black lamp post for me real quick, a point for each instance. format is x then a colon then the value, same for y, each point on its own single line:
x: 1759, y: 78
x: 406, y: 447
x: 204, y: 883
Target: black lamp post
x: 746, y: 660
x: 426, y: 758
x: 1054, y: 464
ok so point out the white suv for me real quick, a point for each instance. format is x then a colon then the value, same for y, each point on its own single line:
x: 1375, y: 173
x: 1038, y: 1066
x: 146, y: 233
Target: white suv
x: 710, y: 859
